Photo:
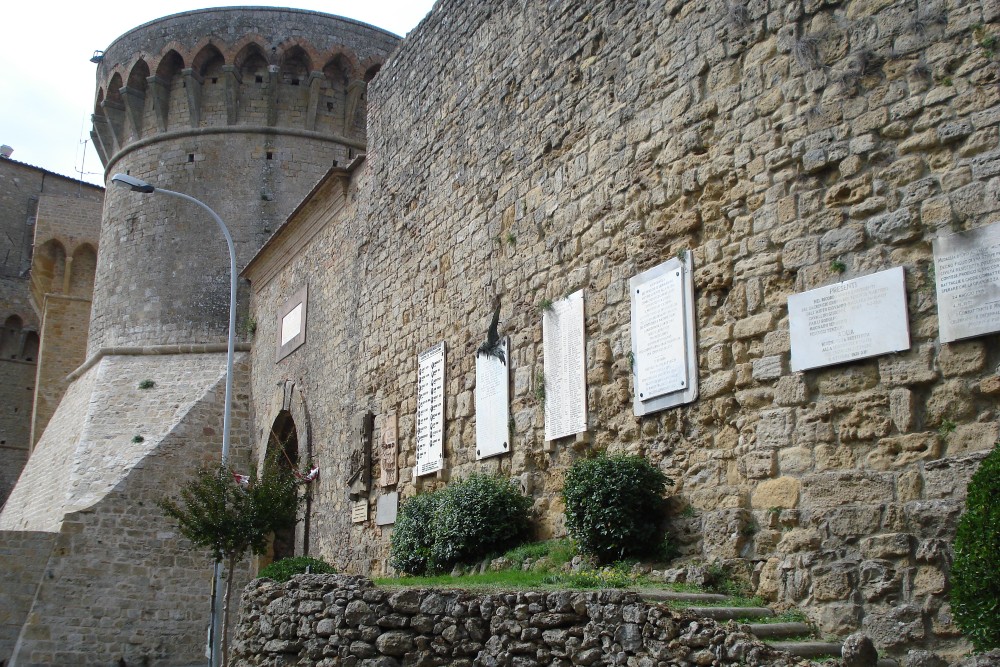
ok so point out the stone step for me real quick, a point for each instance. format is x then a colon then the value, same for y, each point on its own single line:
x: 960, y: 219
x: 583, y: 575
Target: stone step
x: 808, y: 649
x: 660, y: 595
x: 780, y: 630
x: 729, y: 613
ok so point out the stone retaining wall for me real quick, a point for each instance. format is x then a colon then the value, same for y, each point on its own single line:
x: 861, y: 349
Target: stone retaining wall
x: 326, y: 620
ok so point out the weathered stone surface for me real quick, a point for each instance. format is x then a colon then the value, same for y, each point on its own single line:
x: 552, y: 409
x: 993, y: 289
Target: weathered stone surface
x: 782, y: 492
x: 895, y: 626
x: 858, y: 651
x: 834, y: 489
x: 949, y: 477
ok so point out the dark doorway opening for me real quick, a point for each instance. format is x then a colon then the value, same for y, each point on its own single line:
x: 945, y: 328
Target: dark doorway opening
x: 283, y: 448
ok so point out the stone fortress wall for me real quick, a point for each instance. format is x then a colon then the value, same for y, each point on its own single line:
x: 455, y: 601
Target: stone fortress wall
x: 534, y: 149
x: 244, y: 109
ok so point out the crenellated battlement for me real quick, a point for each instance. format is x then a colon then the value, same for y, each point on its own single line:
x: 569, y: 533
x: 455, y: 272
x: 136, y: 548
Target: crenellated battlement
x: 257, y: 70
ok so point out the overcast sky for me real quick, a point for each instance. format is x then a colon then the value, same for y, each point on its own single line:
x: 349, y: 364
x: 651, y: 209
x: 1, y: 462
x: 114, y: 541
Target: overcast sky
x: 49, y: 81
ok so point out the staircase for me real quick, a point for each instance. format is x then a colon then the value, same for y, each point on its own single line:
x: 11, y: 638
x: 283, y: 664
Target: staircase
x: 794, y: 637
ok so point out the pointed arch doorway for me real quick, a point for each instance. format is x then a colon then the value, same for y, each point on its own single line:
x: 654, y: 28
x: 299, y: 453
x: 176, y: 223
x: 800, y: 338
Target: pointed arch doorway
x: 287, y: 442
x: 283, y: 448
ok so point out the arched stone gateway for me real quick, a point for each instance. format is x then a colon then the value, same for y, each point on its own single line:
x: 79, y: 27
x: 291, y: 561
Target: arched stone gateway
x: 287, y: 444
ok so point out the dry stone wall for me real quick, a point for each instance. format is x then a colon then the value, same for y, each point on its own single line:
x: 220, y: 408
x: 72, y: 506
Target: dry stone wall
x: 534, y: 149
x: 326, y: 620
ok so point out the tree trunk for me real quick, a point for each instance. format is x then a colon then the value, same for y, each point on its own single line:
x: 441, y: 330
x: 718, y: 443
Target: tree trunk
x: 225, y: 612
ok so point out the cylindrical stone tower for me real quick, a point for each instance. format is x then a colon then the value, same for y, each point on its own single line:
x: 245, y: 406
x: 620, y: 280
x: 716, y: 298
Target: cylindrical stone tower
x: 243, y: 108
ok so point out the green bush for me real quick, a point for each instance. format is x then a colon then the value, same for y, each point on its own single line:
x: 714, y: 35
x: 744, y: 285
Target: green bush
x: 478, y: 516
x: 614, y: 505
x: 975, y: 574
x: 412, y: 538
x: 460, y: 523
x: 286, y: 568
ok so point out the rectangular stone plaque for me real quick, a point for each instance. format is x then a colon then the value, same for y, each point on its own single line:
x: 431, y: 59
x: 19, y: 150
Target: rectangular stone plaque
x: 851, y: 320
x: 493, y: 403
x: 967, y: 273
x: 389, y: 451
x: 565, y: 367
x: 665, y: 359
x: 385, y: 509
x: 430, y: 410
x: 359, y: 511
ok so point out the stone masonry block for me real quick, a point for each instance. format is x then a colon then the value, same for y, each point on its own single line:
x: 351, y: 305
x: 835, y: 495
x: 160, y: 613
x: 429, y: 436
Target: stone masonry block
x: 782, y: 492
x: 949, y: 477
x: 832, y: 489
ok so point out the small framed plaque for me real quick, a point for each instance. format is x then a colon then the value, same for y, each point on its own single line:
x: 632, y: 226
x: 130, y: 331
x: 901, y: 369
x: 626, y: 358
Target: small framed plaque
x: 665, y: 358
x: 855, y: 319
x: 359, y: 511
x: 385, y: 509
x: 967, y: 274
x: 292, y: 323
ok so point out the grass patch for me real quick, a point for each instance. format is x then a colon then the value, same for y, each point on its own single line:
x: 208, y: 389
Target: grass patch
x: 731, y: 601
x: 792, y: 616
x: 502, y: 580
x: 545, y: 563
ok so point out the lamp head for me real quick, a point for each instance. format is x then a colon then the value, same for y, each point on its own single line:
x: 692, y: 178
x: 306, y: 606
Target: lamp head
x: 132, y: 183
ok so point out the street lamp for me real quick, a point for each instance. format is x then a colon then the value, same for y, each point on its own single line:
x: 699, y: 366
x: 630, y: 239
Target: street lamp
x: 137, y: 185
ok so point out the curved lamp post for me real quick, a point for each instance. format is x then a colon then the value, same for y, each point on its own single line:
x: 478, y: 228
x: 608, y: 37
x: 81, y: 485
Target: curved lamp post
x: 137, y: 185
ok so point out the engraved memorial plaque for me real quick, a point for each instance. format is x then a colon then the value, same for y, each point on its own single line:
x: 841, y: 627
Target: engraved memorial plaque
x: 385, y: 509
x: 359, y: 464
x: 493, y: 404
x: 430, y: 411
x: 851, y: 320
x: 665, y: 360
x: 565, y: 367
x: 967, y: 273
x: 359, y: 511
x: 389, y: 451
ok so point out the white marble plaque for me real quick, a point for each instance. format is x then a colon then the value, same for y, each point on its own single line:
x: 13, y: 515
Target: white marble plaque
x: 967, y: 273
x: 665, y: 360
x: 565, y: 367
x: 493, y: 403
x: 851, y: 320
x: 291, y: 324
x: 359, y: 511
x: 430, y: 410
x: 385, y: 509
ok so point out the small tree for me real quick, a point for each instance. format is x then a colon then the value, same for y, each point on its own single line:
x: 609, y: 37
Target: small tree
x: 218, y: 513
x: 975, y: 574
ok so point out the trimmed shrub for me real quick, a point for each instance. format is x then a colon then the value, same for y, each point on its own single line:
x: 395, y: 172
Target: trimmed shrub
x: 975, y: 574
x: 286, y: 568
x: 614, y: 506
x: 461, y: 523
x: 412, y: 537
x: 478, y: 516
